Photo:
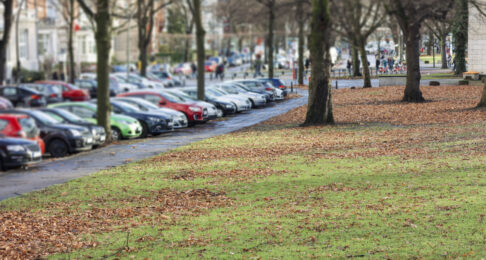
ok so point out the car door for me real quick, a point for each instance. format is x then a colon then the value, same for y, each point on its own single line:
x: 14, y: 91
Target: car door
x: 12, y: 94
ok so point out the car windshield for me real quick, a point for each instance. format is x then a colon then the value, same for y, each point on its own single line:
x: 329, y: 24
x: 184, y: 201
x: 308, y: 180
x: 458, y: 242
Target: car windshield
x: 29, y: 127
x: 127, y: 107
x: 230, y: 89
x: 219, y: 92
x: 176, y: 96
x: 44, y: 118
x: 70, y: 116
x: 183, y: 95
x: 140, y: 103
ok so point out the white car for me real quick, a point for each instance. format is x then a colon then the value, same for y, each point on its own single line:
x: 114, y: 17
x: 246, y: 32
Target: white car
x: 140, y: 81
x: 242, y: 103
x: 212, y: 110
x: 256, y: 100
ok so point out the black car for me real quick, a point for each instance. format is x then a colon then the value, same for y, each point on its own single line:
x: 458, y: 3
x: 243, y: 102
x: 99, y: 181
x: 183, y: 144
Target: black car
x: 226, y: 107
x: 60, y: 139
x: 152, y: 123
x: 23, y: 97
x: 18, y: 152
x: 53, y: 93
x: 92, y: 86
x: 98, y: 132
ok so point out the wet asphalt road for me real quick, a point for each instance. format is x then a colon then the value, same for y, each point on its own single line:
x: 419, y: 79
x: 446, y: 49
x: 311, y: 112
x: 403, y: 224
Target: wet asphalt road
x: 48, y: 173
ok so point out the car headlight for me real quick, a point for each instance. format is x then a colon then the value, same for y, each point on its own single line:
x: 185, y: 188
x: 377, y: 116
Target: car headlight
x: 15, y: 148
x: 195, y: 109
x: 74, y: 132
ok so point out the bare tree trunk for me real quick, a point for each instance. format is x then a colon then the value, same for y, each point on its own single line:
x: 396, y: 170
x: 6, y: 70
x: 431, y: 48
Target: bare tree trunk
x: 319, y: 109
x: 271, y: 25
x: 356, y: 62
x: 301, y: 21
x: 461, y: 35
x: 482, y: 103
x: 412, y: 89
x: 72, y: 69
x: 7, y: 26
x: 443, y: 51
x: 366, y: 66
x: 200, y: 49
x: 103, y: 46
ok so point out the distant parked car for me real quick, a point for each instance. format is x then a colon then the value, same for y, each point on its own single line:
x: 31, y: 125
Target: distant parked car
x: 193, y: 112
x: 21, y: 126
x: 52, y: 93
x: 277, y: 83
x: 23, y: 97
x: 183, y: 69
x: 210, y: 66
x: 92, y: 86
x: 60, y: 139
x: 224, y: 106
x: 179, y: 118
x: 167, y: 75
x: 64, y: 116
x: 152, y: 123
x: 140, y: 81
x: 258, y: 87
x: 256, y: 99
x: 69, y: 91
x: 5, y: 104
x: 212, y: 110
x: 242, y: 103
x: 123, y: 127
x: 16, y: 152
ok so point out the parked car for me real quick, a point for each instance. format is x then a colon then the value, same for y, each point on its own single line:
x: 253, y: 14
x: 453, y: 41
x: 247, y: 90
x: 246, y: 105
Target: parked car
x: 179, y: 118
x: 257, y: 87
x: 194, y: 113
x: 122, y: 86
x: 69, y: 91
x: 277, y: 83
x: 122, y: 79
x: 23, y: 97
x: 122, y: 127
x: 91, y: 86
x: 5, y: 104
x: 242, y: 103
x: 224, y: 105
x: 167, y: 75
x: 60, y: 139
x: 16, y: 152
x: 210, y: 66
x: 52, y: 93
x: 257, y: 100
x: 278, y: 93
x: 64, y: 116
x: 21, y: 126
x: 140, y: 81
x: 152, y: 123
x: 183, y: 69
x: 212, y: 110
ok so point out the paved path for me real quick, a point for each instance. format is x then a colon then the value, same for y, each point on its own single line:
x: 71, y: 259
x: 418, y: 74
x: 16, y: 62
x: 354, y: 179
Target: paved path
x: 45, y: 174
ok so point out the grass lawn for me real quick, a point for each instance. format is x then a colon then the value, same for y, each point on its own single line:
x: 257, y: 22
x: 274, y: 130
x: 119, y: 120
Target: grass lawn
x: 430, y: 59
x: 389, y: 180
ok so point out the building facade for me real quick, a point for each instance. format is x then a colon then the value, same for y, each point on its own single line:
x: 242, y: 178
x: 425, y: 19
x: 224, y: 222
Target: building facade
x: 477, y: 41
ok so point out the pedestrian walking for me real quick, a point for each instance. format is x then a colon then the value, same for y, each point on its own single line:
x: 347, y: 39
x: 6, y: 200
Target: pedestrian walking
x: 377, y: 65
x: 194, y: 70
x: 220, y: 71
x: 349, y: 66
x: 258, y: 66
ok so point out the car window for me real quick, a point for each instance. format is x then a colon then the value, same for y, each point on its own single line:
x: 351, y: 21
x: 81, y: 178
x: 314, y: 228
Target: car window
x: 55, y: 116
x: 10, y: 91
x: 44, y: 118
x: 82, y: 112
x: 70, y: 116
x: 3, y: 124
x: 29, y: 127
x: 154, y: 99
x: 139, y: 106
x: 117, y: 110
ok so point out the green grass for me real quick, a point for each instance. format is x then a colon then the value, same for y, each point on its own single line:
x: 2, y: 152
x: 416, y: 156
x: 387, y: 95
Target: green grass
x: 387, y: 206
x: 430, y: 59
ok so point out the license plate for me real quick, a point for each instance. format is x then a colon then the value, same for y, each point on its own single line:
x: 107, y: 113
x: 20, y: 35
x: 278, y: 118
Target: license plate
x: 102, y: 139
x: 36, y: 154
x: 89, y: 140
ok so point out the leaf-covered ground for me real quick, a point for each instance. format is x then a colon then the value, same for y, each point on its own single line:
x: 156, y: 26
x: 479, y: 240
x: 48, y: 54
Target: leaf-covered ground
x: 390, y: 180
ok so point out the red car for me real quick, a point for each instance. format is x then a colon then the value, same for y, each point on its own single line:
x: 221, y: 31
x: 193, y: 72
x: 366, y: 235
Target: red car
x: 69, y: 91
x: 210, y: 66
x: 21, y: 126
x: 194, y: 113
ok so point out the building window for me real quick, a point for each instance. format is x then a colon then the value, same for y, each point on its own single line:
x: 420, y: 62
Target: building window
x: 24, y: 44
x: 43, y: 43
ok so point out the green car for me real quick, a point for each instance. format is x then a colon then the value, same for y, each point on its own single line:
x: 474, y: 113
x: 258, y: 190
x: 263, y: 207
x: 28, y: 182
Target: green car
x: 122, y: 127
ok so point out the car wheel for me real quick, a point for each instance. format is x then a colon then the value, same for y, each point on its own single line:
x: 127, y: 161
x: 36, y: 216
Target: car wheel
x: 252, y: 103
x: 220, y: 112
x: 116, y: 134
x: 145, y: 130
x: 58, y: 148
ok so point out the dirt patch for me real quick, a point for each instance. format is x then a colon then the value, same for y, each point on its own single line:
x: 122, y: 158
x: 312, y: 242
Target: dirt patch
x: 29, y: 235
x: 229, y: 175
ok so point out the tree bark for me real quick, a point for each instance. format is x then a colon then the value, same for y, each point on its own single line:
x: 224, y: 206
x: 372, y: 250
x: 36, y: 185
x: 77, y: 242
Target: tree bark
x: 200, y: 33
x: 103, y: 46
x: 461, y: 35
x: 356, y: 62
x: 412, y: 89
x: 482, y: 103
x: 366, y: 66
x: 301, y: 21
x: 7, y: 26
x: 72, y: 69
x: 319, y: 109
x: 271, y: 25
x: 443, y: 51
x: 187, y: 41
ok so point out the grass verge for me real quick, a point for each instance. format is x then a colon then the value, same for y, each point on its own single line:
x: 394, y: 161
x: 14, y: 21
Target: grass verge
x: 390, y: 180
